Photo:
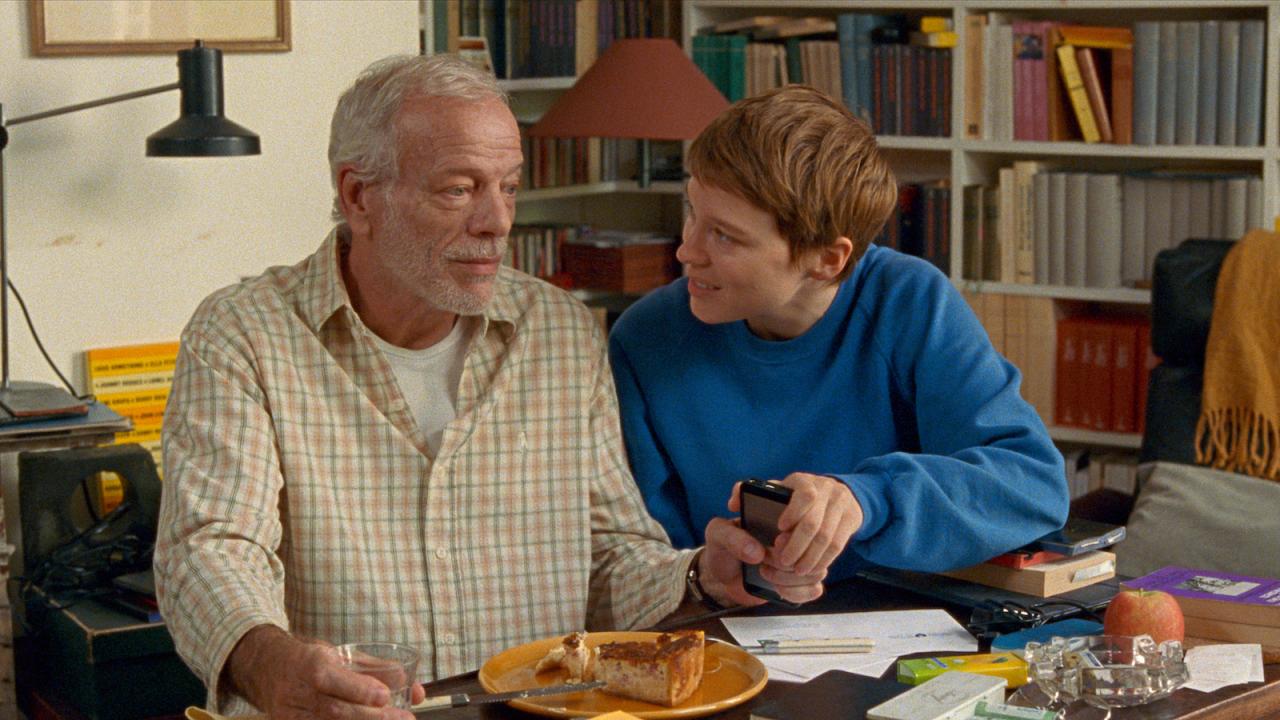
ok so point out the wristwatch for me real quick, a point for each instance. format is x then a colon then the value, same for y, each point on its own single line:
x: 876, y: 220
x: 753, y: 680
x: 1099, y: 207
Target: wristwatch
x: 694, y: 586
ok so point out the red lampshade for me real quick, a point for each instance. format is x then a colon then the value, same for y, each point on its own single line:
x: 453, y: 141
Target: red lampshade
x: 642, y: 88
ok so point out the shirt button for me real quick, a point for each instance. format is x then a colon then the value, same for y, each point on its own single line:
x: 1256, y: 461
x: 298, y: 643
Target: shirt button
x: 449, y: 638
x: 442, y: 553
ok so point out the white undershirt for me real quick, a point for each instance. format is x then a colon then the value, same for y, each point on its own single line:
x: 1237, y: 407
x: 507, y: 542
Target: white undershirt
x: 429, y: 378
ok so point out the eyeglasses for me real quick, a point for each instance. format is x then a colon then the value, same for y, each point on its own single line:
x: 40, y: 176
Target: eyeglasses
x: 999, y: 617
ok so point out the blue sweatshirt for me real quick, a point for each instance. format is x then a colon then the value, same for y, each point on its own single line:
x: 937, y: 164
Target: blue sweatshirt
x: 896, y: 391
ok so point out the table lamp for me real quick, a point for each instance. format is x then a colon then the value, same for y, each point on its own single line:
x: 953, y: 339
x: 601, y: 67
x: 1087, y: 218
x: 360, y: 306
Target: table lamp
x: 200, y: 131
x: 641, y: 88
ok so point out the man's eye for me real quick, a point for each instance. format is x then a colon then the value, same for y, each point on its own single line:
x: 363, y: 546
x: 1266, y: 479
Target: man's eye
x: 458, y: 191
x: 720, y: 236
x: 511, y: 189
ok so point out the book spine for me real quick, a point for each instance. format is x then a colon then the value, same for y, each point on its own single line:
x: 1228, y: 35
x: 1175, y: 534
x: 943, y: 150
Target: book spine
x: 1077, y: 225
x: 975, y: 26
x: 1106, y: 220
x: 1057, y: 229
x: 1040, y: 227
x: 1066, y: 412
x: 1133, y: 232
x: 1186, y: 116
x: 1093, y: 89
x: 1075, y: 91
x: 1146, y: 67
x: 846, y: 28
x: 1207, y: 113
x: 1228, y: 80
x: 1167, y: 90
x: 1252, y: 54
x: 1124, y: 376
x: 1122, y: 95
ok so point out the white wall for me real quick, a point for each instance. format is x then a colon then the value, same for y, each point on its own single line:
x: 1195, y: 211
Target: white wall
x: 110, y: 247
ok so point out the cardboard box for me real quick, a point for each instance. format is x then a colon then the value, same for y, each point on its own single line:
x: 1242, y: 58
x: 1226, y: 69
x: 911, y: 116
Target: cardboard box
x: 633, y: 268
x: 105, y: 664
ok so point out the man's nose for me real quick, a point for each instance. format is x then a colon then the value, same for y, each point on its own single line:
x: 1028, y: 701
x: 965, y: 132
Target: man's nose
x: 494, y: 214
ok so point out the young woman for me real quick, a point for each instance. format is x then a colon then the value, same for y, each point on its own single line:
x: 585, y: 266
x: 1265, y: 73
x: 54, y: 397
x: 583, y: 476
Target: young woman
x: 795, y: 350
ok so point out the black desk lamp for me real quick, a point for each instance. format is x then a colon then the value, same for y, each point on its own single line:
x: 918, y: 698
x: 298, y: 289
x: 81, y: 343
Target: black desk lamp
x: 200, y: 131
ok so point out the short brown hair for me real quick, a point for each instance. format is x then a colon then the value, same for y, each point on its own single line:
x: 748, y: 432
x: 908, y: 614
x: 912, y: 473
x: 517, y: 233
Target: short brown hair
x: 805, y: 159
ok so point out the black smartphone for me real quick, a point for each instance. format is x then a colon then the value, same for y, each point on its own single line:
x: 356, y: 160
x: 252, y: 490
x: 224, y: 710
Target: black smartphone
x: 1080, y: 536
x: 762, y: 506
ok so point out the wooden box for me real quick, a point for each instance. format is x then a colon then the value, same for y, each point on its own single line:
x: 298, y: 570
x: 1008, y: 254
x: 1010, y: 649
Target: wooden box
x: 633, y: 268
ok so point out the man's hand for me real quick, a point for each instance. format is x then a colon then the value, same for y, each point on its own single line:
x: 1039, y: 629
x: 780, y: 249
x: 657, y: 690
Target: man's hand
x: 817, y: 524
x: 290, y: 679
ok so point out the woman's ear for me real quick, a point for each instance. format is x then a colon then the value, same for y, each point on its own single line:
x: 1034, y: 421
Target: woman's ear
x: 830, y: 260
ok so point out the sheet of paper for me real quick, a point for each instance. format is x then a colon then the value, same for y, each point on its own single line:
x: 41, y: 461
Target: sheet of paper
x: 896, y: 633
x: 1216, y: 666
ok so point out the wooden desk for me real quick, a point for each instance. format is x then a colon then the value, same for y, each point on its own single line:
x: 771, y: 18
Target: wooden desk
x: 1254, y: 700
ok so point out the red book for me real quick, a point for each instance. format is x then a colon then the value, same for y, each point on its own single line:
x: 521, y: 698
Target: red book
x: 1019, y: 559
x: 1124, y: 376
x: 1122, y: 95
x: 1067, y: 410
x: 1100, y: 376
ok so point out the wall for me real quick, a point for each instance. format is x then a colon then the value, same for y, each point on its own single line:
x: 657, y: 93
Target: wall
x: 110, y: 247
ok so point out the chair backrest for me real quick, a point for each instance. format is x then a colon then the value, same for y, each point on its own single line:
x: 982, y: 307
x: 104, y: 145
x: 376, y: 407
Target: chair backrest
x: 1183, y: 283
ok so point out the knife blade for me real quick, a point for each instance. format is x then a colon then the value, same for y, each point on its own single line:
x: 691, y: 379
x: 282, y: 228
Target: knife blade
x: 439, y: 702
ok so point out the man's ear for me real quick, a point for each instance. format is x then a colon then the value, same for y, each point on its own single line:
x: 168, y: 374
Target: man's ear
x: 354, y: 195
x: 830, y: 260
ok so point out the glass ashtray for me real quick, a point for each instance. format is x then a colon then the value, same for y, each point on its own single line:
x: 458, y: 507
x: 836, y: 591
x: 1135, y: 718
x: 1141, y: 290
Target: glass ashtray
x: 1117, y: 670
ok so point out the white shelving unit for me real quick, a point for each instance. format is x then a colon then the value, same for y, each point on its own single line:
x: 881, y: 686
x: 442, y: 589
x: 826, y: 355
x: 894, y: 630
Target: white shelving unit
x: 969, y: 161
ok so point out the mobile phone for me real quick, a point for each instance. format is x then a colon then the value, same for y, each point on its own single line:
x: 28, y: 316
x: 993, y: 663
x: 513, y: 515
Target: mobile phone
x: 762, y: 506
x: 1080, y: 536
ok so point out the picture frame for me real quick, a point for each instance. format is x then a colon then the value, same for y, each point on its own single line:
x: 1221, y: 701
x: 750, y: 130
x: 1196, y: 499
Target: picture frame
x: 134, y: 27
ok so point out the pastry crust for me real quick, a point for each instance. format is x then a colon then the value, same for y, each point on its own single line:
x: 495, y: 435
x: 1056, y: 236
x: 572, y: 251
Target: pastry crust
x: 573, y: 655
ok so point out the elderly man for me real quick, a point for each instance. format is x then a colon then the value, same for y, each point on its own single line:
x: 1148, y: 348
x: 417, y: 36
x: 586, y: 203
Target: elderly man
x: 400, y: 439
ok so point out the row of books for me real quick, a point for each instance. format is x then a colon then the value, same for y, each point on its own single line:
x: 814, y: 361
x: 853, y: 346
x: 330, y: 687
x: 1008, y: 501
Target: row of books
x: 1038, y: 225
x: 1103, y: 365
x: 1220, y: 605
x: 1089, y: 470
x: 550, y: 38
x: 536, y: 249
x: 921, y: 223
x: 1159, y: 82
x: 894, y: 76
x: 1023, y: 329
x: 1198, y: 83
x: 134, y: 381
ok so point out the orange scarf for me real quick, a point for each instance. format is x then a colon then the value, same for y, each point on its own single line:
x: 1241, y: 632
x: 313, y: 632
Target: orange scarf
x: 1239, y: 427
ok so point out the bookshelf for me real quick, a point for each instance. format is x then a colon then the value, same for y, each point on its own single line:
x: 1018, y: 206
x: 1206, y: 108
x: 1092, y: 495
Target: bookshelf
x: 960, y: 159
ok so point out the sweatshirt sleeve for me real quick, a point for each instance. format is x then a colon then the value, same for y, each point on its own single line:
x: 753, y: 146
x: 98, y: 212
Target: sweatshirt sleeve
x: 987, y: 479
x: 659, y: 484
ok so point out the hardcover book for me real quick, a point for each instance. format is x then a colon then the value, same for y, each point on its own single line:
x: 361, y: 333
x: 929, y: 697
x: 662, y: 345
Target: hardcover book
x: 1217, y: 595
x: 1043, y: 579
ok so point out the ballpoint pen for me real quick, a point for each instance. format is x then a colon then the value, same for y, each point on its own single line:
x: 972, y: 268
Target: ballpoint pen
x: 813, y: 646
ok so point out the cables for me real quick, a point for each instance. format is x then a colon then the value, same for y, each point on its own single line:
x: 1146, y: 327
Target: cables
x: 36, y: 336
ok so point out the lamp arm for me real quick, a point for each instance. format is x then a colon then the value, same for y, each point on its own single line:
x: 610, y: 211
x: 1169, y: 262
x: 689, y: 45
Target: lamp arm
x: 92, y: 104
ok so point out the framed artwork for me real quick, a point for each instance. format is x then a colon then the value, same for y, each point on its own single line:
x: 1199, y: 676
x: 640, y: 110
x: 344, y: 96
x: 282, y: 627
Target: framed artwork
x: 120, y: 27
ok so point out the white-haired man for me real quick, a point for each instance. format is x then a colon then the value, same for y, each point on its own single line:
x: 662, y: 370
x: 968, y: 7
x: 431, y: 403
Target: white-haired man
x: 399, y: 439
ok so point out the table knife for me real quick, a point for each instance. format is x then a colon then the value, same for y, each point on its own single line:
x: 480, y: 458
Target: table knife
x: 438, y: 702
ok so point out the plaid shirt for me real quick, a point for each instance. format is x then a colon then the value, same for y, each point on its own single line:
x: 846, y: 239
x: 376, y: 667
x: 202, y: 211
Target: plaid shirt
x: 299, y: 491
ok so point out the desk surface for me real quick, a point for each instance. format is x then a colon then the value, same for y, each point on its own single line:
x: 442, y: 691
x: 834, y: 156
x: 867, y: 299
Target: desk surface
x: 1254, y: 700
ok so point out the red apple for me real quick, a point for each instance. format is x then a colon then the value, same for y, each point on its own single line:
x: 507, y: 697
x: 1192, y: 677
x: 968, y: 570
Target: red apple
x: 1145, y: 612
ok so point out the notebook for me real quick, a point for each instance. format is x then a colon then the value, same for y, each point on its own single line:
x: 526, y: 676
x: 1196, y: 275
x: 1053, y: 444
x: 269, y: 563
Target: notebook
x: 833, y: 694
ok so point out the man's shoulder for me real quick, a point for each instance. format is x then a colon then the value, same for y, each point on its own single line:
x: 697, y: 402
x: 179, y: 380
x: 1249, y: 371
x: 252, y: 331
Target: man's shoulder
x: 891, y: 279
x: 525, y: 300
x: 273, y: 291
